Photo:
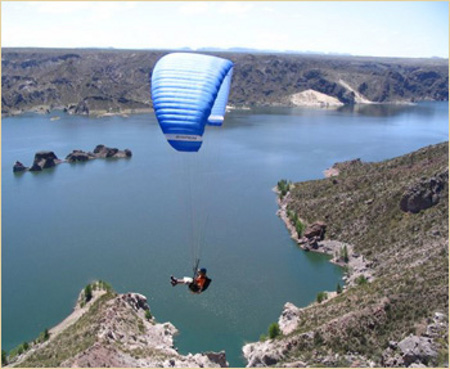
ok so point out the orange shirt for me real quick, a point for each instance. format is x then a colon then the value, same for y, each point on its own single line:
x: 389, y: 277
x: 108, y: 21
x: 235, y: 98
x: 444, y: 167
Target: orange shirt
x: 200, y: 281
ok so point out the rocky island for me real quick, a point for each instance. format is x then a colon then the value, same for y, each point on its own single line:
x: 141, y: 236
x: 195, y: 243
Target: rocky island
x: 48, y: 159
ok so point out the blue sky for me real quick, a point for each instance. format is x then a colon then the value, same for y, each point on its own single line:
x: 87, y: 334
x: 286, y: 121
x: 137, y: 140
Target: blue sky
x: 403, y: 28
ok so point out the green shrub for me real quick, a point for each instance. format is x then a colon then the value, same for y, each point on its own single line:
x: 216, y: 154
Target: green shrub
x: 4, y: 358
x: 361, y: 280
x: 274, y: 330
x: 299, y: 227
x: 148, y: 315
x: 318, y: 339
x: 338, y: 289
x: 25, y: 346
x: 321, y: 296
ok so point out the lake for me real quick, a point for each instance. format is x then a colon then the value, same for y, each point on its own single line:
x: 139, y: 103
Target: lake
x: 134, y: 222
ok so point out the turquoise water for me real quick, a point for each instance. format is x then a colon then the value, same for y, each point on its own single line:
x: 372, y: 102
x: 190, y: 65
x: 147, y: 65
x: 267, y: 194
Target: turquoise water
x: 135, y: 222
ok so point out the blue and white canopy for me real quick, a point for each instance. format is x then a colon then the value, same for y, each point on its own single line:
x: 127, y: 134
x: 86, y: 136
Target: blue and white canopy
x: 189, y: 91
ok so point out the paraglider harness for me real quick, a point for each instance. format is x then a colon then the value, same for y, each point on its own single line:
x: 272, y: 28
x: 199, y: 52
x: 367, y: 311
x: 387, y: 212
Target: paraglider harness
x: 194, y: 287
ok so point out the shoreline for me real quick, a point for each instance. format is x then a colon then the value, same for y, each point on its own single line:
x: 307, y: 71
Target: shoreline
x: 356, y: 266
x: 125, y: 113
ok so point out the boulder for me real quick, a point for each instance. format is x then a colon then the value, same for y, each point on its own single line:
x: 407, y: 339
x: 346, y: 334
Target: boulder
x: 425, y: 194
x: 136, y: 301
x: 19, y: 167
x: 43, y: 160
x: 218, y: 358
x: 315, y: 231
x: 417, y: 350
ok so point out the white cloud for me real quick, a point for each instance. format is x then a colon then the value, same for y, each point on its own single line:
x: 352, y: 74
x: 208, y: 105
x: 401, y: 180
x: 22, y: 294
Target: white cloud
x: 56, y: 7
x: 236, y: 8
x: 194, y: 8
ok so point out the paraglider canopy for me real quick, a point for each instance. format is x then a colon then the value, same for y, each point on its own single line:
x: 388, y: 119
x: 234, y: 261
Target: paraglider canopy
x: 189, y: 91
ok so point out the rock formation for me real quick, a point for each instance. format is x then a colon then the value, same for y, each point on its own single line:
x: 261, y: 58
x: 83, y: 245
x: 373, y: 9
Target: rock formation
x: 48, y: 159
x: 112, y: 330
x: 19, y: 167
x: 79, y: 155
x: 424, y: 194
x: 102, y: 151
x: 44, y: 160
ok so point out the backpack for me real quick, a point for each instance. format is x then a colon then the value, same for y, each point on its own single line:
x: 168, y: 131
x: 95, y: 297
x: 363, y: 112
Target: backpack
x: 206, y: 285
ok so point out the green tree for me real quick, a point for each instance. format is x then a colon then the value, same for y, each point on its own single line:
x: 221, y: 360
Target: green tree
x: 46, y: 334
x: 88, y: 293
x: 25, y: 346
x: 344, y: 254
x: 274, y: 330
x: 338, y: 289
x: 4, y: 358
x: 148, y: 315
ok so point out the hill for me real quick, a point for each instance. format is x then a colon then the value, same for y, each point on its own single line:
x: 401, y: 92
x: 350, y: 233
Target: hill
x: 95, y: 81
x: 107, y: 329
x: 392, y: 217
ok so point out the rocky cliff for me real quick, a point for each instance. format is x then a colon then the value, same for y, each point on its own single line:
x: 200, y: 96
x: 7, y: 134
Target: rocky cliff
x: 107, y: 329
x: 117, y: 81
x: 394, y: 216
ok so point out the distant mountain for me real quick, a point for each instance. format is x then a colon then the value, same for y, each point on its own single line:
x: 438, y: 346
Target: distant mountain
x: 96, y: 81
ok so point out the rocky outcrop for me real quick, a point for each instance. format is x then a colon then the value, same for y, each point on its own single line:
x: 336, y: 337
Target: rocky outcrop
x: 44, y: 160
x: 342, y: 166
x: 79, y: 155
x: 101, y: 151
x: 417, y: 351
x: 114, y: 331
x: 425, y: 194
x: 19, y: 167
x: 313, y: 234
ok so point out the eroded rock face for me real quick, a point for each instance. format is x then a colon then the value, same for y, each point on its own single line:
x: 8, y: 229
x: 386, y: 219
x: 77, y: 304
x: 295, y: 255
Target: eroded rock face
x: 44, y: 160
x: 419, y: 350
x: 125, y: 337
x: 289, y: 318
x: 424, y: 194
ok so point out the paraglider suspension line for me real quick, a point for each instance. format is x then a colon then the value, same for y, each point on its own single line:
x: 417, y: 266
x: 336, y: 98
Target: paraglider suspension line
x: 196, y: 264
